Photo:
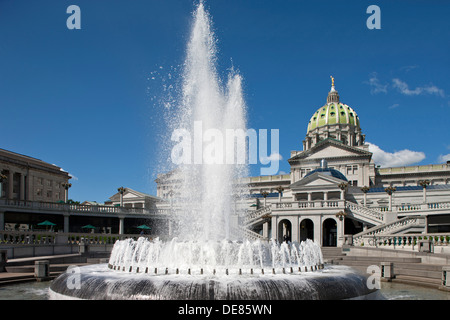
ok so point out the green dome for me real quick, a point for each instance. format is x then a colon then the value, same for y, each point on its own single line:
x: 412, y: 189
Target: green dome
x: 333, y: 113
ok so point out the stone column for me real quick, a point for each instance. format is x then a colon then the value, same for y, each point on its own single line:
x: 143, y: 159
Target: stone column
x: 29, y: 186
x: 295, y: 228
x: 2, y: 221
x: 10, y: 184
x: 318, y: 230
x: 275, y: 227
x: 121, y: 225
x: 266, y: 230
x: 22, y: 187
x: 66, y: 223
x: 325, y: 195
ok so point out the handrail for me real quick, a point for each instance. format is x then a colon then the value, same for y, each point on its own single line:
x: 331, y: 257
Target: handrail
x: 389, y: 227
x: 368, y: 212
x: 255, y: 214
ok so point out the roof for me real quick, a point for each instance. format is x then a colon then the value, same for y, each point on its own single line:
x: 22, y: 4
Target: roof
x: 136, y: 193
x: 328, y: 171
x: 333, y: 113
x: 27, y: 161
x: 412, y: 188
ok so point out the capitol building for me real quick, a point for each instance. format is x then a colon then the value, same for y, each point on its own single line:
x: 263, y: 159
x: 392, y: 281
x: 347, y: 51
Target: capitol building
x: 335, y: 193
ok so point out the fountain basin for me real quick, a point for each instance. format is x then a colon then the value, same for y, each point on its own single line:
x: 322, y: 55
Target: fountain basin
x: 99, y: 282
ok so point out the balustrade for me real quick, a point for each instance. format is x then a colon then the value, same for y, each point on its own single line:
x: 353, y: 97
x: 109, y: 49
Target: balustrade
x: 51, y: 238
x: 402, y: 240
x: 310, y: 204
x: 79, y: 208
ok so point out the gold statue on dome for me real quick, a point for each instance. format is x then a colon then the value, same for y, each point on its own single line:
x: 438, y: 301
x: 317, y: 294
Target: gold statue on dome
x: 332, y: 81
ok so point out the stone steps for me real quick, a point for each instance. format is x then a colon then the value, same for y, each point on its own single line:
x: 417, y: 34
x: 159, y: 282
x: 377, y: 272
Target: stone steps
x: 409, y: 270
x: 421, y: 281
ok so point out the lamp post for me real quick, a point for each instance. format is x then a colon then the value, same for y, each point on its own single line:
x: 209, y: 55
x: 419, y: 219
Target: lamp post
x: 66, y: 186
x: 390, y: 191
x: 264, y: 194
x: 280, y: 189
x: 343, y: 186
x: 365, y: 189
x: 424, y: 184
x: 121, y: 191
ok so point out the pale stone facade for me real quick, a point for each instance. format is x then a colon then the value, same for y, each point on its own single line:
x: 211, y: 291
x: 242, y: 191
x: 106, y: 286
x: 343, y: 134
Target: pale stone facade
x: 335, y: 189
x: 29, y: 179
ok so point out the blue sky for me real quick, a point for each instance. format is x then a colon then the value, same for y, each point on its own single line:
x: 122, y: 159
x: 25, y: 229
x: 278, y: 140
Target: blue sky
x: 85, y: 99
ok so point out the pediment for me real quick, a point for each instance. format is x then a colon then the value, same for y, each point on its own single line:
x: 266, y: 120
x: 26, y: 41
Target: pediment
x: 317, y: 180
x: 330, y: 149
x: 130, y: 195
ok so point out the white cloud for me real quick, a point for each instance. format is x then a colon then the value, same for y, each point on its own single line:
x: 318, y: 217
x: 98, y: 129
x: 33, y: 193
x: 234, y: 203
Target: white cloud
x: 272, y: 157
x: 396, y: 159
x: 444, y: 158
x: 403, y: 88
x: 375, y: 85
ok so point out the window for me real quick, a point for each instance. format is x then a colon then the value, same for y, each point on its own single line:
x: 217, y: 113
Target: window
x: 39, y: 192
x: 352, y: 170
x: 49, y: 193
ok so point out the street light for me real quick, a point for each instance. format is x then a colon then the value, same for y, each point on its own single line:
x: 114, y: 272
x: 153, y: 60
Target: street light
x: 343, y: 186
x: 341, y: 215
x: 280, y: 189
x: 264, y: 194
x: 390, y: 191
x: 424, y: 184
x: 66, y: 186
x: 365, y: 189
x: 121, y: 191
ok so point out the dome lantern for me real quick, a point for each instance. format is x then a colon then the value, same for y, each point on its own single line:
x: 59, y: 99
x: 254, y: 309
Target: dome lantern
x: 333, y: 95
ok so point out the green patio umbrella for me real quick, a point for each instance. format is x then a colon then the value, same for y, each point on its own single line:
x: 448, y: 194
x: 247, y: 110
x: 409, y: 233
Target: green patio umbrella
x: 143, y: 227
x: 46, y: 223
x: 88, y: 226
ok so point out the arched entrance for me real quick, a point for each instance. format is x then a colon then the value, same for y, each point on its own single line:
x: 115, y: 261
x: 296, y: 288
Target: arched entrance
x: 284, y: 230
x: 329, y: 231
x: 306, y: 229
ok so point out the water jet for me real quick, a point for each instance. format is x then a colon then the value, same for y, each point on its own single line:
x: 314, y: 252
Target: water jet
x: 209, y: 258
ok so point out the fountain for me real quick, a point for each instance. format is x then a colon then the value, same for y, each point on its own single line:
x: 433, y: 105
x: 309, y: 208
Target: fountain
x: 209, y: 258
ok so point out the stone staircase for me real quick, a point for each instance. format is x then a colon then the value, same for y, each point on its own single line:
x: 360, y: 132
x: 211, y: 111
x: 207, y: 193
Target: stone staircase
x: 22, y: 269
x: 414, y: 224
x: 332, y: 255
x: 407, y: 268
